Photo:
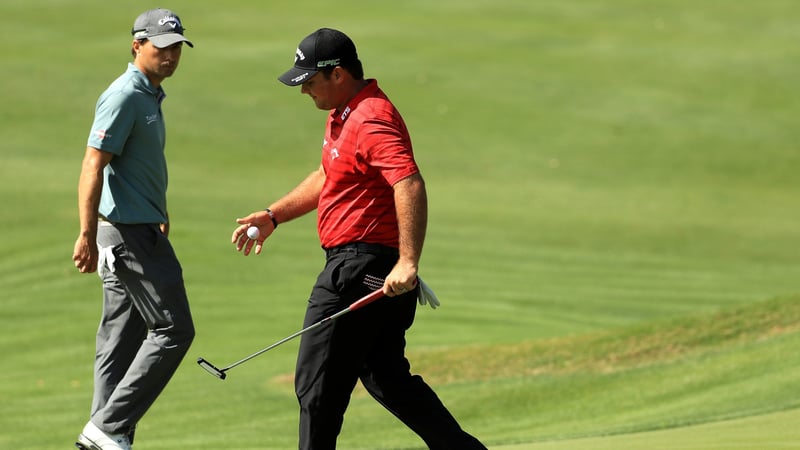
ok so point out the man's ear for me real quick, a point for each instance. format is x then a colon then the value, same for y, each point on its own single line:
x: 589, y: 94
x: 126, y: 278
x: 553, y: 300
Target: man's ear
x: 339, y: 74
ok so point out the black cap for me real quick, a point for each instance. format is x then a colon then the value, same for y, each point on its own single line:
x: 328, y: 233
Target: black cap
x: 323, y: 48
x: 161, y: 26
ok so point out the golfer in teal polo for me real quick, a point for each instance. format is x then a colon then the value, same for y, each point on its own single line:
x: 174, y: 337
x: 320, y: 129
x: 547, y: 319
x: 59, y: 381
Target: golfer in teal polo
x: 146, y: 326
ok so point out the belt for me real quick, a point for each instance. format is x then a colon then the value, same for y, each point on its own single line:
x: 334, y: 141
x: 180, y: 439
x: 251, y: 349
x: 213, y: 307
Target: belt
x: 361, y: 247
x: 103, y: 221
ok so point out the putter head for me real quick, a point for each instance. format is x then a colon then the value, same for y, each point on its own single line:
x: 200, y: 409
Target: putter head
x: 210, y: 368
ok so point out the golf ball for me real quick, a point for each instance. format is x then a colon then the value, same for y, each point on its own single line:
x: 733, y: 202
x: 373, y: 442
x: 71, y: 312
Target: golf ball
x: 253, y: 233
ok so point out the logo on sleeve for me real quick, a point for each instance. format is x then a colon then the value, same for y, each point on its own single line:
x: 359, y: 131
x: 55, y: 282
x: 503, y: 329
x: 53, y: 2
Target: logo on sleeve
x: 102, y: 134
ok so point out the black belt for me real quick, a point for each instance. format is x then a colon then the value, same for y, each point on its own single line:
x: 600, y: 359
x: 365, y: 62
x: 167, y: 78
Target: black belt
x: 361, y: 247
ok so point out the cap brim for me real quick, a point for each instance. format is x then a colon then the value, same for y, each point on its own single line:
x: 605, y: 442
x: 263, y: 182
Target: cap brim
x: 296, y: 76
x: 165, y: 40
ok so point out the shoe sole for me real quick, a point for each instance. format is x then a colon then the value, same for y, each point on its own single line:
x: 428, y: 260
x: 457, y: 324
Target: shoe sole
x: 85, y: 446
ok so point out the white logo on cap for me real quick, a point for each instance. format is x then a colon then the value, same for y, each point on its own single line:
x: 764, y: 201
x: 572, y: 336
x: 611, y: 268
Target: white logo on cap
x: 299, y: 55
x: 300, y: 78
x: 172, y: 20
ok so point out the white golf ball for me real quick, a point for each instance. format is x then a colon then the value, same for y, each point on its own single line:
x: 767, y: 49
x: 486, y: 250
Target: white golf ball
x: 253, y: 233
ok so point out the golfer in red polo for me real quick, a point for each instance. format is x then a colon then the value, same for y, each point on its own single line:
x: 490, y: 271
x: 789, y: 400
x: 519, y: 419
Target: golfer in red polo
x: 371, y: 217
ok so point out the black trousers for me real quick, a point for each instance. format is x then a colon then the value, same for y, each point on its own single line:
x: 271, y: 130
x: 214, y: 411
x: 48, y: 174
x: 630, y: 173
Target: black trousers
x: 366, y: 344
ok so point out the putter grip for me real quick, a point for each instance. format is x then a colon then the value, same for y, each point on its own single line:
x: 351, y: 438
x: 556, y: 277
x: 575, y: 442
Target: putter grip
x: 366, y: 300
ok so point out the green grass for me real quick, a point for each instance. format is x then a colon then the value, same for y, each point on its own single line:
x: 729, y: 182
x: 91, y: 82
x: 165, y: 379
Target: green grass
x: 768, y: 431
x: 613, y: 229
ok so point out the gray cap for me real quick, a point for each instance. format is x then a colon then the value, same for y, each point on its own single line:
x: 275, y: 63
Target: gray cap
x: 162, y: 27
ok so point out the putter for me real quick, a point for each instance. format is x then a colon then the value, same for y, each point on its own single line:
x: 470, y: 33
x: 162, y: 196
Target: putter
x: 221, y: 373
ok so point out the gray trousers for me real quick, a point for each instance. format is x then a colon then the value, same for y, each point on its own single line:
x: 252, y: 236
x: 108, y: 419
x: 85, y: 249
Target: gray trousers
x: 146, y: 327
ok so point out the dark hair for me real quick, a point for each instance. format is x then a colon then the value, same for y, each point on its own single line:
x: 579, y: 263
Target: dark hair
x: 354, y: 68
x: 133, y: 52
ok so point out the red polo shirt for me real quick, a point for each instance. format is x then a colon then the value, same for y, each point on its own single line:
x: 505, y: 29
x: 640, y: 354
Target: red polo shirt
x: 366, y: 150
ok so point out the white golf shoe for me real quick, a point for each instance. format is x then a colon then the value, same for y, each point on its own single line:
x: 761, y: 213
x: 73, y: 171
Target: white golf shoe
x: 93, y: 438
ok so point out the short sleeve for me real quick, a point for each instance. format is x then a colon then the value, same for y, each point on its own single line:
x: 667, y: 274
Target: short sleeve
x: 388, y: 149
x: 115, y: 115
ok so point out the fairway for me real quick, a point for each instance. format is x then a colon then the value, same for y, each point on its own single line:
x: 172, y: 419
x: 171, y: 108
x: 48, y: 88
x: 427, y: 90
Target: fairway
x: 613, y: 227
x: 767, y: 432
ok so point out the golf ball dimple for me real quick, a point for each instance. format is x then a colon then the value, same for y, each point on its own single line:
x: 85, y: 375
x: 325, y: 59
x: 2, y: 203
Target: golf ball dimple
x: 253, y: 233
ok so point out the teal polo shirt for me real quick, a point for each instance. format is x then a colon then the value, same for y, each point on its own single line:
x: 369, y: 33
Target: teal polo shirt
x: 128, y: 123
